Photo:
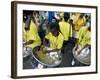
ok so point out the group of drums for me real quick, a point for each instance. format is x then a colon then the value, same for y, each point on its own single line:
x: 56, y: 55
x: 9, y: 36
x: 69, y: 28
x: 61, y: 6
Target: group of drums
x: 54, y: 58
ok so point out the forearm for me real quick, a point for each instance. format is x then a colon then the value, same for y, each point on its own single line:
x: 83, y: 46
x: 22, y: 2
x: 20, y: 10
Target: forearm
x: 87, y: 45
x: 28, y: 42
x: 45, y: 42
x: 54, y: 50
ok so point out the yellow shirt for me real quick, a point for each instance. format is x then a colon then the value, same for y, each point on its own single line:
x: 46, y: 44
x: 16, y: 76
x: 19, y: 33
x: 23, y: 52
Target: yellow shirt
x: 55, y: 42
x: 76, y: 17
x: 32, y: 34
x: 84, y: 37
x: 65, y: 29
x: 79, y: 24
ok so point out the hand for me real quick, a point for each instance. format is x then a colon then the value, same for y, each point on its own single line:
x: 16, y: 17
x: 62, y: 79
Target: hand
x: 42, y: 50
x: 75, y: 48
x: 78, y: 52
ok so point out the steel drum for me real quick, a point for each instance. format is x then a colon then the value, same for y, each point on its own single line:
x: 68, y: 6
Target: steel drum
x: 26, y: 51
x: 51, y: 59
x: 84, y: 56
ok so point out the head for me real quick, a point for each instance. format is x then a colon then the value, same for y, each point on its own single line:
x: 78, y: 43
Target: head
x: 27, y: 23
x: 54, y: 28
x: 66, y: 16
x: 86, y: 16
x: 89, y: 28
x: 26, y: 15
x: 81, y: 16
x: 26, y: 19
x: 36, y: 19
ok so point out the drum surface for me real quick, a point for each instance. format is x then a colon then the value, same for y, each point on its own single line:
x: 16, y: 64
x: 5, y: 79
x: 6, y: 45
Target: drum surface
x: 84, y: 56
x: 49, y: 59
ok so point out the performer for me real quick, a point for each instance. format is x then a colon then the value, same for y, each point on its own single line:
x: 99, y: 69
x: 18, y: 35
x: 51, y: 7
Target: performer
x: 31, y: 38
x: 54, y: 38
x: 83, y: 46
x: 65, y: 27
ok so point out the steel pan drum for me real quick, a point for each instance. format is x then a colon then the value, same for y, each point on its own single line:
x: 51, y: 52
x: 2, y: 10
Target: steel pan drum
x: 26, y: 51
x: 48, y: 58
x: 84, y: 56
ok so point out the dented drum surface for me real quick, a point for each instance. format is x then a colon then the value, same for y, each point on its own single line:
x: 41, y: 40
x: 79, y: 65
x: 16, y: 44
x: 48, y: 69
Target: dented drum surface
x: 84, y: 56
x: 48, y: 59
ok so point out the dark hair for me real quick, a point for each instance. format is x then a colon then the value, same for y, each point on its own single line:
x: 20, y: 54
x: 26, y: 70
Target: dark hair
x: 26, y: 13
x: 66, y: 16
x: 54, y: 25
x: 89, y: 28
x: 81, y: 16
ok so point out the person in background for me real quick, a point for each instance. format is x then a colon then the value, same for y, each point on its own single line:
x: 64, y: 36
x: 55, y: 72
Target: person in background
x: 72, y: 21
x: 43, y: 27
x: 57, y: 16
x: 61, y: 14
x: 75, y: 17
x: 88, y: 19
x: 51, y: 14
x: 65, y: 28
x: 79, y: 21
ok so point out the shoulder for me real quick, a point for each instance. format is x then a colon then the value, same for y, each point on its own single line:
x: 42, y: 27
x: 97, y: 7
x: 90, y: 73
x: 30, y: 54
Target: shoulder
x: 48, y: 35
x: 83, y: 28
x: 67, y: 23
x: 60, y: 35
x: 61, y: 22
